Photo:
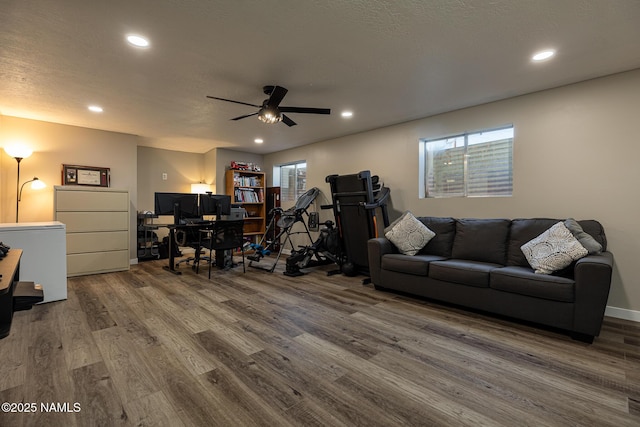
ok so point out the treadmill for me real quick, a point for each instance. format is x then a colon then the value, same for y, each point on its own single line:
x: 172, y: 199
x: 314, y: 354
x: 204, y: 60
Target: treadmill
x: 356, y: 200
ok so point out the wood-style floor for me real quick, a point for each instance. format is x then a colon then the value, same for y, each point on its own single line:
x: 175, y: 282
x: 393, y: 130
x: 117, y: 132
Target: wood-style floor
x: 148, y: 348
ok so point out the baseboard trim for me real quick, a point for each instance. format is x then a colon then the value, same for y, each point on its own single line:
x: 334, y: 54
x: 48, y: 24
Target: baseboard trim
x: 622, y: 313
x: 133, y: 261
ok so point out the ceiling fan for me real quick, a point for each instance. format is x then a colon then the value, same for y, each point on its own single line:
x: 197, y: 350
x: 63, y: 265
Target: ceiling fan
x: 270, y: 111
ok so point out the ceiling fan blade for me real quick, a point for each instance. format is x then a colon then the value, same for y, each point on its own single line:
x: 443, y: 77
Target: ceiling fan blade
x: 276, y: 96
x: 287, y: 121
x: 305, y: 110
x: 235, y: 102
x: 242, y: 117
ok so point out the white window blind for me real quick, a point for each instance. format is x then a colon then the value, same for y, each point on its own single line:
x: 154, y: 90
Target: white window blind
x: 293, y: 180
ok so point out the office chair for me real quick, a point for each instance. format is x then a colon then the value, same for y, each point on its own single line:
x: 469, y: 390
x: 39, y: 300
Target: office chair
x: 223, y: 236
x: 190, y: 236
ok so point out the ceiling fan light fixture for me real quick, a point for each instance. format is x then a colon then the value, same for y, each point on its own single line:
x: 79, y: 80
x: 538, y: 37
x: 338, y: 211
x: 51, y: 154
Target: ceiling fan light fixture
x: 270, y: 111
x: 269, y: 115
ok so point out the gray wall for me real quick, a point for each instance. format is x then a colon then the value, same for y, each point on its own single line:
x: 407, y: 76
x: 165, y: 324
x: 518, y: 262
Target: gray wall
x: 53, y: 145
x: 223, y: 160
x: 575, y: 154
x: 182, y: 169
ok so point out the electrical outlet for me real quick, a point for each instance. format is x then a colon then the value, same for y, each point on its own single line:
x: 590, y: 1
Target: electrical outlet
x: 164, y: 176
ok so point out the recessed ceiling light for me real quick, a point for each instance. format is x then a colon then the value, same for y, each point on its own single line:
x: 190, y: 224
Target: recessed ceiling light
x: 137, y: 41
x: 258, y: 140
x: 544, y: 54
x: 95, y: 108
x: 347, y: 114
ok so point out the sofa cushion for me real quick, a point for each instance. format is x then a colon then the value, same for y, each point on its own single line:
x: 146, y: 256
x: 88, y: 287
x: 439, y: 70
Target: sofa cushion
x: 470, y: 273
x: 417, y: 265
x: 585, y: 239
x: 522, y: 231
x: 408, y: 234
x: 553, y: 250
x: 442, y: 242
x: 595, y: 230
x: 481, y: 240
x: 522, y: 280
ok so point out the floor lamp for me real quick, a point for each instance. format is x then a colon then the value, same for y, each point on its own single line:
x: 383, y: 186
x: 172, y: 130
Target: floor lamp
x: 18, y: 152
x: 36, y: 184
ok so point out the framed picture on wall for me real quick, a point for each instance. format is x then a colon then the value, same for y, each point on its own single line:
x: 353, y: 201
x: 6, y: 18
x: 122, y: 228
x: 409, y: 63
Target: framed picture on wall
x: 92, y: 176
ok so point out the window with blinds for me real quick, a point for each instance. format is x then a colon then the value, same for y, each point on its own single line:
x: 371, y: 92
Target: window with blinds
x: 293, y: 180
x: 477, y: 164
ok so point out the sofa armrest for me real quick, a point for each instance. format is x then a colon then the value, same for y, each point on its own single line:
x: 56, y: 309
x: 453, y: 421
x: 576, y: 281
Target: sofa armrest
x: 378, y: 247
x: 592, y: 276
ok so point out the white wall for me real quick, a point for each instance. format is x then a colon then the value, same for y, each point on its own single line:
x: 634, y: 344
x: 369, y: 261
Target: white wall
x: 576, y: 150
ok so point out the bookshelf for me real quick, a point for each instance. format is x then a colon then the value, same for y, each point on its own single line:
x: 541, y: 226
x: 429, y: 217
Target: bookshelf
x: 247, y: 189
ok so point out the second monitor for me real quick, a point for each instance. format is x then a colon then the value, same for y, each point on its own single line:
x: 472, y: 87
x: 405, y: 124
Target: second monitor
x: 215, y: 204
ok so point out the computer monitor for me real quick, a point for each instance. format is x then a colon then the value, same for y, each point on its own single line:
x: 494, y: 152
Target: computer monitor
x: 215, y: 204
x: 180, y: 205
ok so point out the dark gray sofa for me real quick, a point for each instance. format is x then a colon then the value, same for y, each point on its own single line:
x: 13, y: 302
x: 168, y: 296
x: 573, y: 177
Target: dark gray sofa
x: 478, y: 263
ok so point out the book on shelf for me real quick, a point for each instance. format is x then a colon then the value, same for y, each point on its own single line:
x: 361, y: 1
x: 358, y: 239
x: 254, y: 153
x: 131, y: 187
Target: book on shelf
x: 249, y: 195
x: 247, y: 181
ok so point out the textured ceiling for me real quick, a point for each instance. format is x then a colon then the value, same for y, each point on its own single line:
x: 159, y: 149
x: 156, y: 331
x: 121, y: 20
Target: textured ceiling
x: 388, y: 61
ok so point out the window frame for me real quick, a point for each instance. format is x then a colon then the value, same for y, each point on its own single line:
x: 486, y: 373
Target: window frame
x: 278, y: 169
x: 425, y: 172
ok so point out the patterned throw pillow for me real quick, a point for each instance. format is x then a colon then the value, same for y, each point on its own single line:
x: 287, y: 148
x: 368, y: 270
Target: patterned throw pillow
x: 408, y: 234
x: 553, y: 250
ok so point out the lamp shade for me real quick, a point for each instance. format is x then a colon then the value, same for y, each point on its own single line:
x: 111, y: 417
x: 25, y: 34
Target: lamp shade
x: 18, y: 151
x: 38, y: 184
x: 200, y: 188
